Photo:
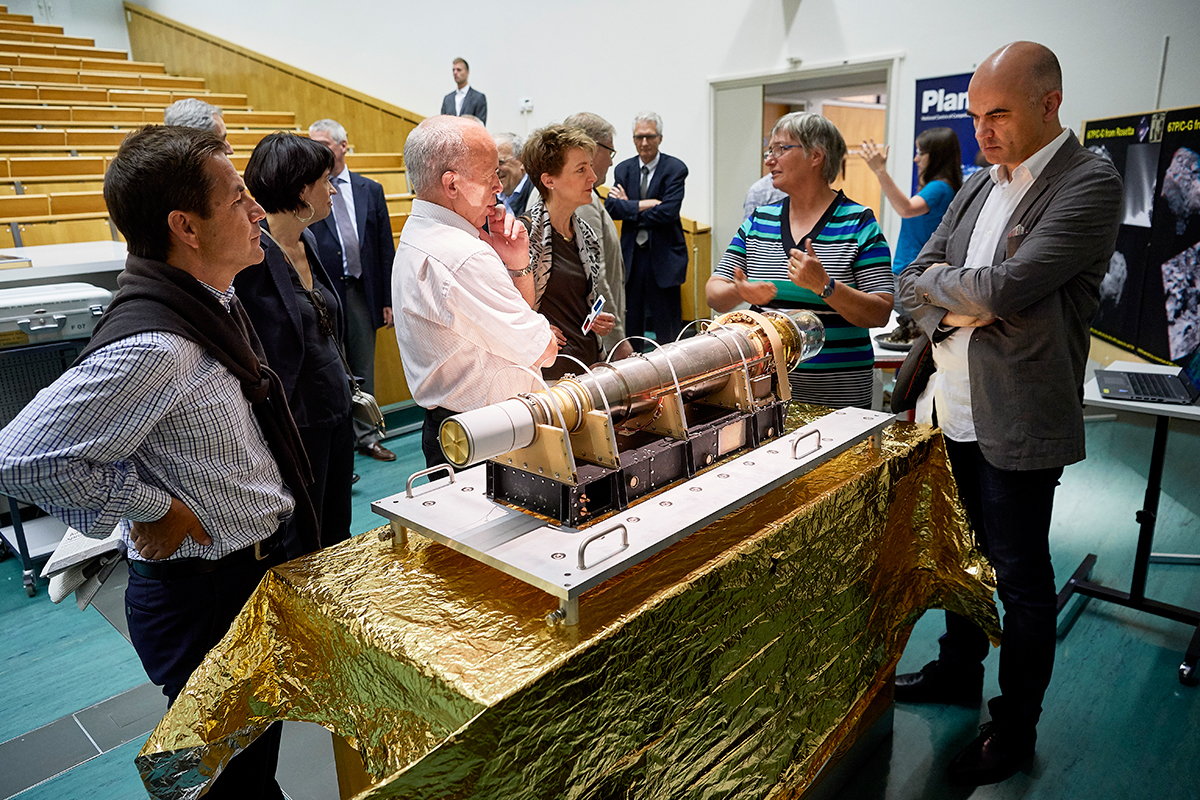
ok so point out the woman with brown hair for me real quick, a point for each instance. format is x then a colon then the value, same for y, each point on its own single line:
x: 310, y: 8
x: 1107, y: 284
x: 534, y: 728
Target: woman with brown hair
x: 564, y: 252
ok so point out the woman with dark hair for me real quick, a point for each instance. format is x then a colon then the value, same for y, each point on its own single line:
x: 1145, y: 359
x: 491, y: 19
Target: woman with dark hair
x: 564, y: 252
x: 939, y: 176
x: 295, y: 310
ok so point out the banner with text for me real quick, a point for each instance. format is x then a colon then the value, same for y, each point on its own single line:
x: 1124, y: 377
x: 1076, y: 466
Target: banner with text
x: 942, y: 103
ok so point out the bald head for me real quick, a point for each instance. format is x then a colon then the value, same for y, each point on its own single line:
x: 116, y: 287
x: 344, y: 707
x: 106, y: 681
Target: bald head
x: 452, y: 161
x: 1013, y: 100
x: 1033, y: 66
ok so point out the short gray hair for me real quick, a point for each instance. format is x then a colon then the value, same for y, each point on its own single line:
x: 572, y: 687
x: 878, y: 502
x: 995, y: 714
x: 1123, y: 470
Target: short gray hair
x: 593, y: 125
x: 330, y: 126
x: 511, y: 138
x: 434, y: 147
x: 814, y: 132
x: 649, y: 116
x: 192, y: 113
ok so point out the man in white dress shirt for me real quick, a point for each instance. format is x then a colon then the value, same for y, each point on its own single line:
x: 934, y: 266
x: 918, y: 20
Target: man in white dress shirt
x: 464, y: 323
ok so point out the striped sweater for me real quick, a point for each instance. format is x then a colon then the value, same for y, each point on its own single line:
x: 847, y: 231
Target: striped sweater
x: 853, y: 251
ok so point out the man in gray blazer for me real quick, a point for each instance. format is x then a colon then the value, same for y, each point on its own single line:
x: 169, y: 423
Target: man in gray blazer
x: 1006, y: 288
x: 464, y: 100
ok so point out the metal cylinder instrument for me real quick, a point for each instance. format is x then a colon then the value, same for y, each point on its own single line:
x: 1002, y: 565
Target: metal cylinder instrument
x: 742, y: 357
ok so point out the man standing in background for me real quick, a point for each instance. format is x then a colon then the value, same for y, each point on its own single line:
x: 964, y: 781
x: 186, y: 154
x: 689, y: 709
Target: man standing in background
x: 355, y: 246
x: 192, y: 113
x: 515, y: 184
x: 598, y: 219
x: 647, y: 198
x: 464, y: 99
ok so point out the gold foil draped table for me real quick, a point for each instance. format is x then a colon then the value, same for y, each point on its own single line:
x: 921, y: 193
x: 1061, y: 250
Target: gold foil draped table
x: 730, y: 665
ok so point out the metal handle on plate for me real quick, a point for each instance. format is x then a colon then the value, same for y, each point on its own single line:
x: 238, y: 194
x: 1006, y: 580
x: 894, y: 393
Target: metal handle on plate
x: 796, y: 443
x: 426, y: 471
x: 624, y: 543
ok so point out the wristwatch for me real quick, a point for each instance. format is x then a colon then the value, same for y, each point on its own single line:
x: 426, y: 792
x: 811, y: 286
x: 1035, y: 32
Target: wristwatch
x: 828, y: 290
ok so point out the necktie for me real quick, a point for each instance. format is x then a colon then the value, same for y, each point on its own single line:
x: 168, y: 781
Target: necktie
x: 345, y: 226
x: 643, y: 235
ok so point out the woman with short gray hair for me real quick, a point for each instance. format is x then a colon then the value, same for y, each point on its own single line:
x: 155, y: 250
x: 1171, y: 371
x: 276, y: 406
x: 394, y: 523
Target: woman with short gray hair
x: 816, y: 250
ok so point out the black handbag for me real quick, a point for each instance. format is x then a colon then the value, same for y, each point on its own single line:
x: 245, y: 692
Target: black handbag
x: 913, y: 375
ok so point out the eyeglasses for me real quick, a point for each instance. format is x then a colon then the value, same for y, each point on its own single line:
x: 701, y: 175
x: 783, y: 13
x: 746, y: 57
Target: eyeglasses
x: 644, y: 137
x: 324, y: 317
x: 777, y: 150
x: 606, y: 147
x: 504, y: 161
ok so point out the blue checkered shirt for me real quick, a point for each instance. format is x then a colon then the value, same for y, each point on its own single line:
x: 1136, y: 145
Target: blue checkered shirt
x: 144, y: 419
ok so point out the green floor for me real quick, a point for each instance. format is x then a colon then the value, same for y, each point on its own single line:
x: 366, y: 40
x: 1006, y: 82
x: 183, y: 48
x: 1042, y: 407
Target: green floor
x: 1117, y: 722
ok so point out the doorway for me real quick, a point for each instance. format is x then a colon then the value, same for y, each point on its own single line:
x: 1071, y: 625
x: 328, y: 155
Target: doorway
x: 854, y: 96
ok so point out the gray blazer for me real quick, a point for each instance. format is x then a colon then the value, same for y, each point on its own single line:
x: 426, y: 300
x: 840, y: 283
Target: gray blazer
x: 475, y: 104
x: 1026, y: 368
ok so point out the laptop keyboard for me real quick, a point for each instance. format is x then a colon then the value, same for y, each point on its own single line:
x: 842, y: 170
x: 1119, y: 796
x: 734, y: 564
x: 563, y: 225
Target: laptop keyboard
x: 1150, y: 385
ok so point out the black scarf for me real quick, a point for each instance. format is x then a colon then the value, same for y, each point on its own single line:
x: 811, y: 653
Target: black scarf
x: 154, y: 296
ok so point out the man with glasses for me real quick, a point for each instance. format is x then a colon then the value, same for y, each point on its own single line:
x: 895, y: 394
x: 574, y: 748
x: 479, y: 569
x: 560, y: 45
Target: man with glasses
x: 515, y: 184
x: 467, y: 334
x: 647, y: 198
x: 355, y: 246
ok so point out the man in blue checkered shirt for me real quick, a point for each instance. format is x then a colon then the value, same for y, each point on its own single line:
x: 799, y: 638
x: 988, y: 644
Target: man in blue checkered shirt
x: 165, y: 428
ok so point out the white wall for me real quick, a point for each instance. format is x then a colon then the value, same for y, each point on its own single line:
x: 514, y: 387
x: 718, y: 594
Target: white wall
x: 623, y: 56
x: 102, y: 20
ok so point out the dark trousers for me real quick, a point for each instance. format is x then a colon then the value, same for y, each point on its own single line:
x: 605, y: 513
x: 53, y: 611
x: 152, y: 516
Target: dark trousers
x: 360, y: 349
x: 648, y: 306
x: 1010, y: 512
x: 430, y: 444
x: 173, y: 623
x: 331, y: 454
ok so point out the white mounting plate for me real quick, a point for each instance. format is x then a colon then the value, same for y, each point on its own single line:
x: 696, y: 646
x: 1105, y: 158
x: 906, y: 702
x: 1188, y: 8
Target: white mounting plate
x: 460, y: 515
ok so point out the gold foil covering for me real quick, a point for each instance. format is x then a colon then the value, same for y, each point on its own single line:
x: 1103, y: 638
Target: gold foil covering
x: 729, y: 665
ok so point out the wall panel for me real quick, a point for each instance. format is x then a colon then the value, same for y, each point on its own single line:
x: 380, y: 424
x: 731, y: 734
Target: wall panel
x: 372, y: 125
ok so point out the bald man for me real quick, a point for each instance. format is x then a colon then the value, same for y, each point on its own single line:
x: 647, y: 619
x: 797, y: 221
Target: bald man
x: 462, y: 294
x: 1006, y: 289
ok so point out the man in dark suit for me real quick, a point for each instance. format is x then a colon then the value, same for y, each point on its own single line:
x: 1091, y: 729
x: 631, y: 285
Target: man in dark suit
x: 646, y: 197
x: 464, y: 100
x: 515, y: 184
x: 1006, y: 288
x: 356, y: 248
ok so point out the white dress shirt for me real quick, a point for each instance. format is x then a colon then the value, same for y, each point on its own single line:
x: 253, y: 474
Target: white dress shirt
x: 461, y: 324
x: 459, y: 96
x: 653, y: 165
x: 949, y: 387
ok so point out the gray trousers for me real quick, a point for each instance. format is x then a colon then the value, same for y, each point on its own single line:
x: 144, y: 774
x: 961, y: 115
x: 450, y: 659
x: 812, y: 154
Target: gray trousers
x: 360, y: 350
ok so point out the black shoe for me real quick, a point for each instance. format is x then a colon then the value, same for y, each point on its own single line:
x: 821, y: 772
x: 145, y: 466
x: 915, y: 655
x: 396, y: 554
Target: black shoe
x: 998, y: 753
x: 935, y: 684
x: 354, y: 478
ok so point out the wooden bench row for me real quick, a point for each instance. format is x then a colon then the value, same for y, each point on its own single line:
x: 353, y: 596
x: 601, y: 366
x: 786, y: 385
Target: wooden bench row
x: 19, y: 167
x: 64, y: 116
x: 39, y: 61
x: 46, y: 76
x: 92, y: 139
x: 126, y: 96
x: 7, y: 45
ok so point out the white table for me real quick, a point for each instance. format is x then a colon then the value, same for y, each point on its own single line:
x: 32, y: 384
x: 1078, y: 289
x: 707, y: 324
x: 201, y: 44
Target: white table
x: 1135, y: 598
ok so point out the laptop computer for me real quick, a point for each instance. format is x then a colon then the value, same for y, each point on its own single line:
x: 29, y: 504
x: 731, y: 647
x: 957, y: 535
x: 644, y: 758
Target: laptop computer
x: 1148, y: 387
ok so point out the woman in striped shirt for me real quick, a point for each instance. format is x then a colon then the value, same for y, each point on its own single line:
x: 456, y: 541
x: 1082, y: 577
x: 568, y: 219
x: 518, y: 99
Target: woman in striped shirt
x: 816, y: 250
